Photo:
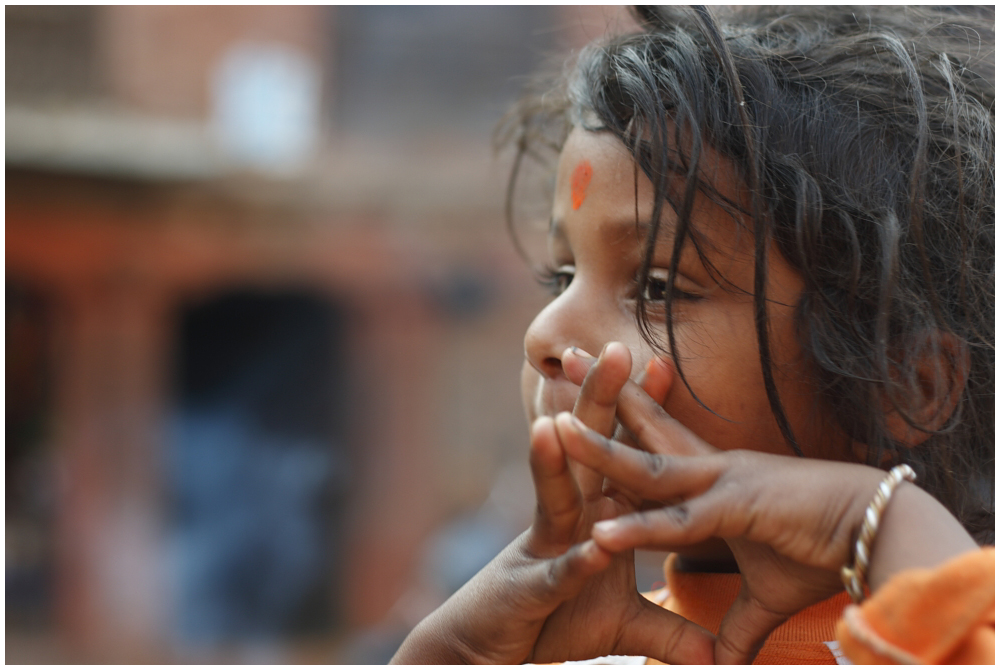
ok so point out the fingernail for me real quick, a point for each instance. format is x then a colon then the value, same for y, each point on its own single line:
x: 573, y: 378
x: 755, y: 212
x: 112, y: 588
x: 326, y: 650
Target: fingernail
x: 613, y: 344
x: 577, y: 351
x: 608, y: 526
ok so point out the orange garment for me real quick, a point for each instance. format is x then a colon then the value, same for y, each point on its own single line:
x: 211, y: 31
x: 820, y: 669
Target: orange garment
x: 942, y: 615
x: 807, y: 638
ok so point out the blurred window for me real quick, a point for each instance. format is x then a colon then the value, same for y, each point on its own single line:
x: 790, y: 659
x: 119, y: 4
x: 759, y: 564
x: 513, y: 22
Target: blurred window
x: 406, y: 69
x: 51, y: 53
x: 266, y: 104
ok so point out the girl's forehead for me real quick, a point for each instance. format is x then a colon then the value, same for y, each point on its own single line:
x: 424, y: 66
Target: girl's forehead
x: 617, y: 164
x: 596, y: 148
x: 599, y: 180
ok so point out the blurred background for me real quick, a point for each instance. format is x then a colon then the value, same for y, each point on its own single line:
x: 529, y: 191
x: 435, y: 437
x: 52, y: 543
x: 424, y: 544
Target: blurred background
x: 263, y: 324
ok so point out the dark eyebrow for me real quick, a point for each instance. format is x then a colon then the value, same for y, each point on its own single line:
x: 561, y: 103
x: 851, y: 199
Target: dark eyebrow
x: 611, y: 230
x: 702, y: 243
x: 556, y: 227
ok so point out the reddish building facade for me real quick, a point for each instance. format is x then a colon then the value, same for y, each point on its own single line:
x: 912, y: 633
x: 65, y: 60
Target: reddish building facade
x: 145, y: 251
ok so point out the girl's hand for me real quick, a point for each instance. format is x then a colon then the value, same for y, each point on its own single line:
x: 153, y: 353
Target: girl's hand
x: 789, y: 522
x: 554, y: 594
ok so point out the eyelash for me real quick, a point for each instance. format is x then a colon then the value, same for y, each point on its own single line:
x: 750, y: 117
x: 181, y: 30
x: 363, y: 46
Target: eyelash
x: 557, y: 280
x: 661, y: 284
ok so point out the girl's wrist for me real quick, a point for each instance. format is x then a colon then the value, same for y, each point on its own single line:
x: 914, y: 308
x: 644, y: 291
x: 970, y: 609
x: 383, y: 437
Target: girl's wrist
x: 916, y: 531
x: 855, y: 574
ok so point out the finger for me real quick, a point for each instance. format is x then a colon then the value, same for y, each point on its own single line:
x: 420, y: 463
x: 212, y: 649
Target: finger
x: 650, y: 475
x: 647, y: 425
x: 638, y: 401
x: 650, y: 387
x: 667, y: 637
x: 656, y: 386
x: 565, y: 576
x: 682, y: 524
x: 744, y: 629
x: 656, y: 379
x: 595, y: 406
x: 558, y: 497
x: 576, y: 363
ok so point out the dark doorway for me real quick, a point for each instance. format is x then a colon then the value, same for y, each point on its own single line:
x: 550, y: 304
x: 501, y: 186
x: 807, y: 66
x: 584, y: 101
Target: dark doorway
x: 259, y: 468
x: 30, y: 471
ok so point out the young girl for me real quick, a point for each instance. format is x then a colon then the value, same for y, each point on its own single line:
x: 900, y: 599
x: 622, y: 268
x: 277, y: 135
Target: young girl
x: 778, y: 233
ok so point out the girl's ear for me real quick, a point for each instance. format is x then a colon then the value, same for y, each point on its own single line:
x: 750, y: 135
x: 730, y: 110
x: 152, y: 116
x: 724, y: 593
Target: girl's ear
x: 940, y: 376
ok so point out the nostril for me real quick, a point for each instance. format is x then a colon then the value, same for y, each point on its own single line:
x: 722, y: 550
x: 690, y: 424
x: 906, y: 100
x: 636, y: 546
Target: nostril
x: 552, y: 367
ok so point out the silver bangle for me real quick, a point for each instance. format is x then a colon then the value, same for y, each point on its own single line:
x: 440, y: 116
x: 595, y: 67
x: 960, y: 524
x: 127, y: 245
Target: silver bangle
x: 855, y: 577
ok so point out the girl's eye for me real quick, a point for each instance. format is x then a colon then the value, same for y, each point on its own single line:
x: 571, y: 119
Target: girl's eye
x: 655, y: 290
x: 557, y: 280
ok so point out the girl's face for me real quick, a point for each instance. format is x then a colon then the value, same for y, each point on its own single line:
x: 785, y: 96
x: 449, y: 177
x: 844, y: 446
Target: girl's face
x: 595, y: 254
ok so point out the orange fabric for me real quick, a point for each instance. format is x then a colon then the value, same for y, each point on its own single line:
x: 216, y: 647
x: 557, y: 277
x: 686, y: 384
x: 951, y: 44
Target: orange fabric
x: 705, y: 598
x: 943, y: 615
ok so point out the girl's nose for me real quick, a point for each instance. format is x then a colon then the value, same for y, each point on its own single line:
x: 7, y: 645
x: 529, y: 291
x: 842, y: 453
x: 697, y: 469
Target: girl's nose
x: 559, y: 326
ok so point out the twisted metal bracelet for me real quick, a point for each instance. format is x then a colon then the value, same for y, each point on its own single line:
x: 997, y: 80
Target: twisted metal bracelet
x: 855, y: 577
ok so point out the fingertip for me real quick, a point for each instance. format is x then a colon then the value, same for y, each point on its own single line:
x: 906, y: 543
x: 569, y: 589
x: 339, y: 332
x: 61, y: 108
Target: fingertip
x: 596, y: 556
x: 727, y: 656
x: 570, y: 431
x: 576, y: 363
x: 744, y: 630
x: 540, y: 425
x: 617, y: 351
x: 607, y: 535
x: 697, y: 645
x: 565, y: 575
x: 657, y: 379
x: 606, y: 527
x: 577, y: 352
x: 664, y: 365
x: 704, y: 652
x: 566, y: 420
x: 615, y: 348
x: 545, y: 448
x: 668, y: 637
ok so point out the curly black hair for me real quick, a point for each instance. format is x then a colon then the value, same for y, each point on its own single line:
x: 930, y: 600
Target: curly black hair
x: 864, y: 139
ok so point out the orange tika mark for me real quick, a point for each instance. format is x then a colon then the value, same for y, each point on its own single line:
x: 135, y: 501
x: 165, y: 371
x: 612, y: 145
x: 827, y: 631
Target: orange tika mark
x: 580, y: 181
